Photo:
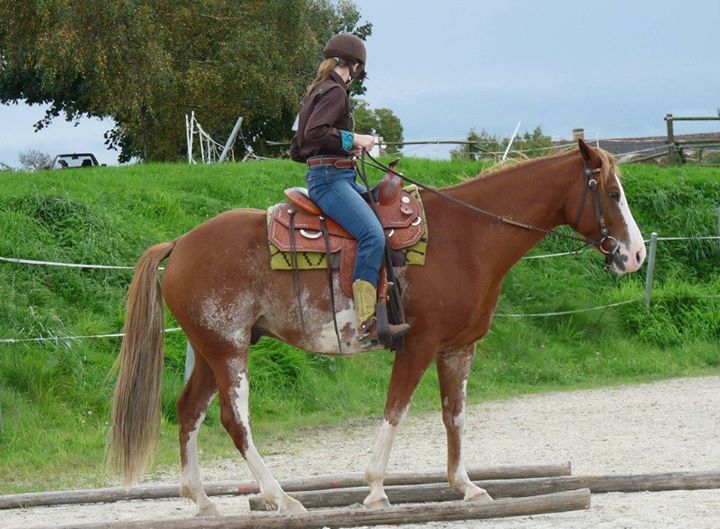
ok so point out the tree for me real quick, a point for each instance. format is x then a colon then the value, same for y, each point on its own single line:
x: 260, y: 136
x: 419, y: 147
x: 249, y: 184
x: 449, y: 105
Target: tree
x: 533, y: 144
x: 478, y: 146
x: 485, y: 145
x: 147, y: 63
x: 381, y: 120
x: 32, y: 160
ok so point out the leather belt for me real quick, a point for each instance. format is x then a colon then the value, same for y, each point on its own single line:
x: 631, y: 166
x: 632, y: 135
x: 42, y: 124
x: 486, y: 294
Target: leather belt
x: 338, y: 163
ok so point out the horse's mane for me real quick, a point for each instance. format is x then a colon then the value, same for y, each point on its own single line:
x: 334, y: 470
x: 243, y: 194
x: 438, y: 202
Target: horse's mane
x: 609, y: 165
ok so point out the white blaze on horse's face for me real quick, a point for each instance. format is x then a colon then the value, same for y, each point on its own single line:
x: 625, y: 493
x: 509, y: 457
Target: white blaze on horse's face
x: 631, y: 252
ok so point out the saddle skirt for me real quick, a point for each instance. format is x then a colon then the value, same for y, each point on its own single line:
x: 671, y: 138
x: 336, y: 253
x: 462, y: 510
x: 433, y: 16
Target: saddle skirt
x: 402, y: 218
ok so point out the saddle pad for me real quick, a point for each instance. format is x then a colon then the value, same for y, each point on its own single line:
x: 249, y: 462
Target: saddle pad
x: 414, y: 249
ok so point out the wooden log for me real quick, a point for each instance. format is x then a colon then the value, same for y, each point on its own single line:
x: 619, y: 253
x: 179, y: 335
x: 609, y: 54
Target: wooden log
x: 230, y: 488
x: 400, y: 514
x: 438, y: 492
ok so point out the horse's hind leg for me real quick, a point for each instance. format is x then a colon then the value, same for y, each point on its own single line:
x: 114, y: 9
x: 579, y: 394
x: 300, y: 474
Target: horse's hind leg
x: 234, y: 390
x: 191, y: 407
x: 453, y: 369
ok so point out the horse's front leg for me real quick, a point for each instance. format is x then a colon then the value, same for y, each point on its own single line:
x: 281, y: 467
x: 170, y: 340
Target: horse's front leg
x: 453, y: 368
x: 406, y: 374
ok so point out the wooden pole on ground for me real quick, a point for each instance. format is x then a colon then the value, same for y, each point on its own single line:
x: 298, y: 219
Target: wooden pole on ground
x: 230, y: 488
x: 403, y: 514
x: 435, y: 492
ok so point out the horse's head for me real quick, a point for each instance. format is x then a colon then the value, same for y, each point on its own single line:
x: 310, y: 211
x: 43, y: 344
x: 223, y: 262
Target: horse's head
x: 601, y: 212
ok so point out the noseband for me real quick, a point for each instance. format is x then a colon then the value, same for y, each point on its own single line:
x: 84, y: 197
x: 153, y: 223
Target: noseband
x: 610, y: 252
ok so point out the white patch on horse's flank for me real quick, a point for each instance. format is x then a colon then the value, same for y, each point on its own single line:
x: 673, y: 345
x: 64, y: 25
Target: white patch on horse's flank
x: 320, y: 334
x: 446, y: 401
x: 347, y: 326
x: 230, y: 321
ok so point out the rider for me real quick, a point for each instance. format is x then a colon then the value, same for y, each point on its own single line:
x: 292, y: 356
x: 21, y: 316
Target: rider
x: 326, y: 142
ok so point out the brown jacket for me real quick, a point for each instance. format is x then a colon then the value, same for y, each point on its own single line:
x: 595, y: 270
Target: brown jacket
x: 323, y: 114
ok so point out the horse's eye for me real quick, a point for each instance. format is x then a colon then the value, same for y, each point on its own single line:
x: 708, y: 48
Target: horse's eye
x: 615, y: 195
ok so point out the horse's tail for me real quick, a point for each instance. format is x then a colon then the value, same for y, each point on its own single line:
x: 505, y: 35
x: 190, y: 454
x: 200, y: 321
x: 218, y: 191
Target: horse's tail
x: 136, y: 406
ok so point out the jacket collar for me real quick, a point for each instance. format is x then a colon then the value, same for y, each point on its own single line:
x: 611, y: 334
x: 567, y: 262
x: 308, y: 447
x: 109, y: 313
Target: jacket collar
x: 339, y: 80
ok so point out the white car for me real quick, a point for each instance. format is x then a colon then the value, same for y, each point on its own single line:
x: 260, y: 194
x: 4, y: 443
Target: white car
x: 69, y: 161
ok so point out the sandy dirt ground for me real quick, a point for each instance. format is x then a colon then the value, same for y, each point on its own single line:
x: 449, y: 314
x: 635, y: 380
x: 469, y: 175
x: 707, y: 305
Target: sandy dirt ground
x: 666, y: 426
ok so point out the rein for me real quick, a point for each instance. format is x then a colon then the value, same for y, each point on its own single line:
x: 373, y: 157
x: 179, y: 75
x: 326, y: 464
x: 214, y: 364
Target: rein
x: 592, y: 185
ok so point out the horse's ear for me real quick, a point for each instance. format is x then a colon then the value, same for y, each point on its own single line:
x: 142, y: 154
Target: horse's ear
x: 588, y: 153
x: 585, y: 149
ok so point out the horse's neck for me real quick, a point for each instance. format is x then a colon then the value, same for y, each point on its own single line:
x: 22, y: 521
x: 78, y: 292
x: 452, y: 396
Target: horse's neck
x: 533, y: 193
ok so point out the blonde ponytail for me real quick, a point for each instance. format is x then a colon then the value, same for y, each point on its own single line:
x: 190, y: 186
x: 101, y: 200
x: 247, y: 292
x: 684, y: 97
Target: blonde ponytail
x: 323, y: 72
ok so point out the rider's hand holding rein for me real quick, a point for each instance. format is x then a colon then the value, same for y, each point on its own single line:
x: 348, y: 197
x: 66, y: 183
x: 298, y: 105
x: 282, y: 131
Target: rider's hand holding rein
x: 362, y: 141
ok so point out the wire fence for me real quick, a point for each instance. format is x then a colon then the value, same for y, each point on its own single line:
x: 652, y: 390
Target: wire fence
x: 60, y: 339
x: 648, y: 286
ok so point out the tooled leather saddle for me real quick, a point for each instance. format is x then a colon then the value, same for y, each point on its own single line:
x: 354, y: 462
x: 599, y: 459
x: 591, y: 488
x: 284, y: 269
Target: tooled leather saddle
x: 298, y: 225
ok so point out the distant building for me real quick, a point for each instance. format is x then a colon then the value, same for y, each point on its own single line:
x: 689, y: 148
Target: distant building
x: 638, y: 148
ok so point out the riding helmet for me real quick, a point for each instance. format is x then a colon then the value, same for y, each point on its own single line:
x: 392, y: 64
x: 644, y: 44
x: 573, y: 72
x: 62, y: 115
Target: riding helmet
x: 346, y: 46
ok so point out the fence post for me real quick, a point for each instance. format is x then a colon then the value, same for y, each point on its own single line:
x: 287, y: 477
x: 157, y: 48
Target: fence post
x: 650, y: 268
x: 189, y: 361
x: 718, y: 220
x: 670, y: 139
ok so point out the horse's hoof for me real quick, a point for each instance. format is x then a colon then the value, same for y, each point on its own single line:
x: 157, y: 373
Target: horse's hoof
x: 378, y: 503
x: 209, y: 511
x: 481, y: 497
x: 291, y: 506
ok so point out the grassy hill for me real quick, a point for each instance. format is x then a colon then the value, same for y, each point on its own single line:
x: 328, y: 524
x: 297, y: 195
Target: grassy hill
x: 55, y: 396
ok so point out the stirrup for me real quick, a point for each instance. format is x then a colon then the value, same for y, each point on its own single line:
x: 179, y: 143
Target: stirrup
x: 368, y: 331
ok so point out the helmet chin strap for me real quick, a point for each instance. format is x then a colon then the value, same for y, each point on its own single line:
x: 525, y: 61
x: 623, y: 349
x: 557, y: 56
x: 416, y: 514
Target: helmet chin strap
x: 349, y: 67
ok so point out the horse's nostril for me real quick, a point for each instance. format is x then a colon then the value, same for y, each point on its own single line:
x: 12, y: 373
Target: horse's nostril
x: 638, y: 256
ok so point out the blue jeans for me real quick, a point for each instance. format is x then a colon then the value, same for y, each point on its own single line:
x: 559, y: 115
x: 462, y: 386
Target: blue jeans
x: 337, y: 193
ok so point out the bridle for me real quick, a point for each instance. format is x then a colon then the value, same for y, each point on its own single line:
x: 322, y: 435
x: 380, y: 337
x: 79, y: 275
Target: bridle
x: 592, y: 184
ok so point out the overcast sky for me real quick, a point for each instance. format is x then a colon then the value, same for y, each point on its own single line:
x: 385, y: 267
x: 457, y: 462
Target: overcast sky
x: 614, y: 68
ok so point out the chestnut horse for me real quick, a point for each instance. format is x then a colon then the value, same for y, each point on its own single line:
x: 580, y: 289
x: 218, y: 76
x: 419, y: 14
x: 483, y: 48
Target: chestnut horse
x: 220, y: 288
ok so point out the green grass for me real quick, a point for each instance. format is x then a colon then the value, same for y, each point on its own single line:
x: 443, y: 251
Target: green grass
x: 55, y: 396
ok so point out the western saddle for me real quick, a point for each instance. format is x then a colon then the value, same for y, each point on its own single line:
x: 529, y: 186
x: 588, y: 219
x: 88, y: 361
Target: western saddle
x: 401, y: 217
x: 399, y: 212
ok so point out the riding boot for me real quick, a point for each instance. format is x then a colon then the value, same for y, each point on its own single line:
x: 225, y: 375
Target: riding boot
x: 365, y: 298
